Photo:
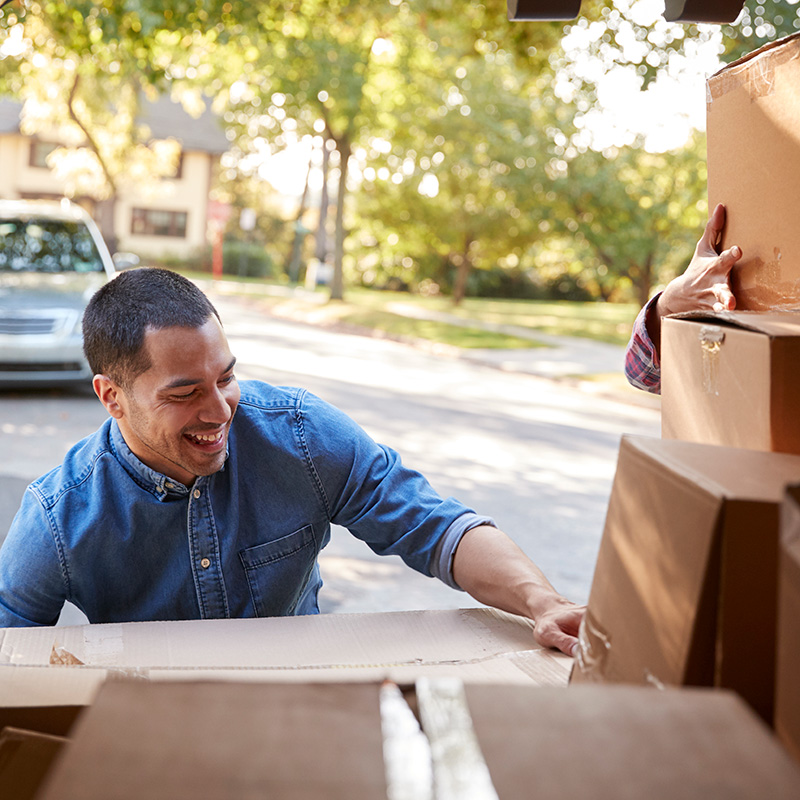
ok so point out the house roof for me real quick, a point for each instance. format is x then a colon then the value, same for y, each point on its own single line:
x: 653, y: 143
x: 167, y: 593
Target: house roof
x: 164, y: 117
x: 10, y: 111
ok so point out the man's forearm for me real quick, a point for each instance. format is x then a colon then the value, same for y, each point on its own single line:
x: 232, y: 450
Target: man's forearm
x: 494, y: 570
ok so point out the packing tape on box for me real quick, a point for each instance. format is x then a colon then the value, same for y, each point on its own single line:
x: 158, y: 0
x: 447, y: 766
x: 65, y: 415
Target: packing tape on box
x: 711, y: 339
x: 594, y: 646
x: 754, y: 72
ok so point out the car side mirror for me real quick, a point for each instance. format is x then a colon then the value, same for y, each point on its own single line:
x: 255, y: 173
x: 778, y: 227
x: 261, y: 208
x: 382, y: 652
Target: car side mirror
x: 125, y: 260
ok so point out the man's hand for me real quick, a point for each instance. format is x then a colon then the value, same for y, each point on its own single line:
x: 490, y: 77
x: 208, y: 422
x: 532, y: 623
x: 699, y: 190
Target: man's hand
x: 491, y: 567
x: 558, y: 627
x: 706, y: 284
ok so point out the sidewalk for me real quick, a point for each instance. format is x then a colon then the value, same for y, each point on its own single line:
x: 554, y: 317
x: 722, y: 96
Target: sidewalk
x: 594, y: 367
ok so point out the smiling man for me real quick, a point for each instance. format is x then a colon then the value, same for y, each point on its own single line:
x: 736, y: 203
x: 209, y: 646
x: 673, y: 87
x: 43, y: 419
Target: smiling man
x: 199, y: 498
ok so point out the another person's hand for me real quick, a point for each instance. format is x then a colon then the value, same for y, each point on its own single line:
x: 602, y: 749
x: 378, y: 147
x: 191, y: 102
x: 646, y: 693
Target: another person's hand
x: 558, y: 627
x: 706, y: 284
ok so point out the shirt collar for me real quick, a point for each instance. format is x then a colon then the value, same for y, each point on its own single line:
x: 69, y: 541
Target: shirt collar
x: 160, y: 485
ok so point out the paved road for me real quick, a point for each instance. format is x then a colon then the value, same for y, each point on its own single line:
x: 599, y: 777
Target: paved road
x: 536, y: 454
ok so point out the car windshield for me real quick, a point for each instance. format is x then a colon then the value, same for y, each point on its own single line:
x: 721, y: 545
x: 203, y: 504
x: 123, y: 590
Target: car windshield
x: 47, y: 245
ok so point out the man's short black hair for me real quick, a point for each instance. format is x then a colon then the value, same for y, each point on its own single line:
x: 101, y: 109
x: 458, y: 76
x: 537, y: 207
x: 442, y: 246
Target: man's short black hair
x: 119, y: 314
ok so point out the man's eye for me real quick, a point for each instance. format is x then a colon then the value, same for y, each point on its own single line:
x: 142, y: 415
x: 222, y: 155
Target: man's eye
x: 183, y: 396
x: 230, y: 378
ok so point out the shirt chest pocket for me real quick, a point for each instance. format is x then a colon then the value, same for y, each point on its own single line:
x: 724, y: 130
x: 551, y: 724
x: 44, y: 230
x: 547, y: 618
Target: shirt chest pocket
x: 278, y: 571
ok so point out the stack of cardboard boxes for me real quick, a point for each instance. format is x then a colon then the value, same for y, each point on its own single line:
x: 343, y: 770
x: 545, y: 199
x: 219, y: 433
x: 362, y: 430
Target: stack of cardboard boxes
x: 698, y: 576
x: 700, y: 556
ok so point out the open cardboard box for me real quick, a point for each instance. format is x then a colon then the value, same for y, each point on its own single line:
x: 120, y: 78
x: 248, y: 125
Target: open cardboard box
x: 300, y: 741
x: 48, y: 674
x: 685, y: 587
x: 732, y: 379
x: 753, y: 129
x: 787, y: 689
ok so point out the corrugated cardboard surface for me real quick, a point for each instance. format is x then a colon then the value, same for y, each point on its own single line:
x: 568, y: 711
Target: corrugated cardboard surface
x: 225, y: 740
x: 65, y: 666
x: 787, y: 689
x: 627, y: 743
x: 685, y: 585
x: 754, y: 168
x: 732, y: 379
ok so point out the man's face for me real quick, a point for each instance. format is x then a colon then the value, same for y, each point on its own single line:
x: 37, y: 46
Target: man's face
x: 176, y: 416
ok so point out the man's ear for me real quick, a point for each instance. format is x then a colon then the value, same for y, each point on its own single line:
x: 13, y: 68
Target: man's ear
x: 109, y: 394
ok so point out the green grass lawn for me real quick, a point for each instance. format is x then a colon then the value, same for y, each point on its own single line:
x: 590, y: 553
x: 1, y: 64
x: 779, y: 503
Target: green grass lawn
x: 392, y: 313
x: 607, y: 322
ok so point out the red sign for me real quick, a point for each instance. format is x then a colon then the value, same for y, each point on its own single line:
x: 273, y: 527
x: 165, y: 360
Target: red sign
x: 219, y: 212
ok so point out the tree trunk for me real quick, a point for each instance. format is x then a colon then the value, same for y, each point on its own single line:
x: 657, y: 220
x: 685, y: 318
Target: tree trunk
x: 460, y: 285
x: 293, y: 266
x: 645, y: 283
x: 321, y: 241
x: 337, y: 282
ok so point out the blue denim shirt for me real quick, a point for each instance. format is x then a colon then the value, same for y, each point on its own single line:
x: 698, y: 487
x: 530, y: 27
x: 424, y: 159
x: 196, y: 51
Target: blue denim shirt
x: 125, y: 543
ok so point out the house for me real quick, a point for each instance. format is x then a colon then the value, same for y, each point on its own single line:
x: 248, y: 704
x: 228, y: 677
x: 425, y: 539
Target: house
x: 172, y: 222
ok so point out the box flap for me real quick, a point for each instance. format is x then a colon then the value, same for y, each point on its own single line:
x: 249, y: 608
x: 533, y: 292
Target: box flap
x: 224, y: 740
x: 612, y: 741
x: 771, y: 323
x: 769, y: 56
x: 729, y: 472
x: 475, y: 644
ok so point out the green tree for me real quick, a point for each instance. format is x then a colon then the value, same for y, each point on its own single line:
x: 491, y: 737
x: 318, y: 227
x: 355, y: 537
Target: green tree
x: 633, y: 216
x: 464, y: 176
x: 81, y: 70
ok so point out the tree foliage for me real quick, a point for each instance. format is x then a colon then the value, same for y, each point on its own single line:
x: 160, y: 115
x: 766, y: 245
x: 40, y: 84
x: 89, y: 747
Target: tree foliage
x: 633, y: 217
x: 456, y: 134
x: 81, y: 70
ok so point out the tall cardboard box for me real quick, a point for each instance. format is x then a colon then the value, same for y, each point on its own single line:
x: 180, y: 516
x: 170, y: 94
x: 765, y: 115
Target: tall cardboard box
x: 753, y: 129
x: 732, y: 379
x: 685, y: 587
x: 787, y: 689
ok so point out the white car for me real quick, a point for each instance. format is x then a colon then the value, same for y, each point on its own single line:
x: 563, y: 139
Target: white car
x: 52, y: 260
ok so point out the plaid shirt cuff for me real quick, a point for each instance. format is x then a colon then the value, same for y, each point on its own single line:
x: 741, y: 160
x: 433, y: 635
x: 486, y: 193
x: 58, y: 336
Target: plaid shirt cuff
x: 642, y: 366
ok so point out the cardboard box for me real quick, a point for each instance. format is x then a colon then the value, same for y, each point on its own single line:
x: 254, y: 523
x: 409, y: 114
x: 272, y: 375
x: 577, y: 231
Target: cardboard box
x: 754, y: 169
x: 25, y: 759
x: 226, y: 741
x: 787, y: 689
x: 63, y: 668
x: 732, y: 379
x: 684, y: 591
x: 615, y: 742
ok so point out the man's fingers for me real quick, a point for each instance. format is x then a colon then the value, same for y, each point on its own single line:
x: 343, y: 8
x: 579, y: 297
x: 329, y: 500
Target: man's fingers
x: 725, y: 299
x: 554, y: 637
x: 710, y: 239
x: 561, y: 630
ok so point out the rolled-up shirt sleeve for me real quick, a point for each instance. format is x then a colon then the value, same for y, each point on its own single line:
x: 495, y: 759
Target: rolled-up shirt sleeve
x: 642, y: 364
x: 442, y: 564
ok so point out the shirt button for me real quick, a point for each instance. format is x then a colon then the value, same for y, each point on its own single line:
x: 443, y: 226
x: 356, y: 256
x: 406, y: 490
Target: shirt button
x: 205, y: 563
x: 196, y: 493
x: 169, y: 485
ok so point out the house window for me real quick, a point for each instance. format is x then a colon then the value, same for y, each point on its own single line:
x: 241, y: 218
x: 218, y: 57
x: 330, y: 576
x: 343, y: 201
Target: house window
x: 39, y: 152
x: 152, y: 222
